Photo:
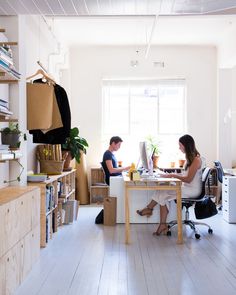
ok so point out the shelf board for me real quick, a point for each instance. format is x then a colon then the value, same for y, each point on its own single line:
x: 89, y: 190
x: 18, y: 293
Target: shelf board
x: 99, y: 186
x: 51, y: 210
x: 2, y: 30
x: 11, y: 155
x: 8, y: 43
x: 64, y: 197
x: 6, y: 118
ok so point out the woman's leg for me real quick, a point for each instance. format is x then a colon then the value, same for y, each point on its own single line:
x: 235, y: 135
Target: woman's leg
x: 162, y: 228
x: 148, y: 209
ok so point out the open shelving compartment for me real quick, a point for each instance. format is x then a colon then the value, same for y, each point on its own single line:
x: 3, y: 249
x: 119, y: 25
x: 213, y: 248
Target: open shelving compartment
x: 12, y: 162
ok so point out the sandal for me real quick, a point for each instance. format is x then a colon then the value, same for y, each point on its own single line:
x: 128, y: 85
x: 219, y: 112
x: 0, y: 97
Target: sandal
x: 145, y: 212
x: 160, y: 231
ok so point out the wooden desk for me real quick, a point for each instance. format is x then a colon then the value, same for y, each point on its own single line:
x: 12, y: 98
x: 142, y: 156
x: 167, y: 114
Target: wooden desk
x: 161, y: 184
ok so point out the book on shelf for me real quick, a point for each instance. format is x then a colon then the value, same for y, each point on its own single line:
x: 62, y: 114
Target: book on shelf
x: 6, y: 59
x: 5, y: 110
x: 71, y: 208
x: 3, y: 103
x: 6, y: 50
x: 13, y: 70
x: 48, y: 228
x: 9, y: 69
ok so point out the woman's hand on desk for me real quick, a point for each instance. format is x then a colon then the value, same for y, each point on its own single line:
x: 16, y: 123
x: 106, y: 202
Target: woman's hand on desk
x: 168, y: 175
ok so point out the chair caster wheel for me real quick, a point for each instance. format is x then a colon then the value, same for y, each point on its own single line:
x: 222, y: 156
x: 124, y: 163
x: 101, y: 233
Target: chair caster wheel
x: 168, y: 233
x: 197, y: 236
x: 210, y: 231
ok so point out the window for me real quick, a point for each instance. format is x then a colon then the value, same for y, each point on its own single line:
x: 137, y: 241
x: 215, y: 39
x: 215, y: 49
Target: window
x: 137, y: 109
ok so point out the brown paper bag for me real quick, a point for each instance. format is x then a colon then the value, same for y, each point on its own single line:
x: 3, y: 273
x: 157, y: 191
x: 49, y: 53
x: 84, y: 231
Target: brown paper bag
x: 39, y: 105
x: 56, y: 116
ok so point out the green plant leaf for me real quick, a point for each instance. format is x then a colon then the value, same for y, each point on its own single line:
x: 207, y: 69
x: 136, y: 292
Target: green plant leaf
x: 75, y: 144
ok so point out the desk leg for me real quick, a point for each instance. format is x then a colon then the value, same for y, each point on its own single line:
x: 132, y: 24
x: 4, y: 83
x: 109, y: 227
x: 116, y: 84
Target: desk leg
x: 127, y: 224
x: 179, y: 216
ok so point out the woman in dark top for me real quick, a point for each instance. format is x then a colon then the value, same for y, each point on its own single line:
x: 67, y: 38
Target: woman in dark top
x: 109, y: 162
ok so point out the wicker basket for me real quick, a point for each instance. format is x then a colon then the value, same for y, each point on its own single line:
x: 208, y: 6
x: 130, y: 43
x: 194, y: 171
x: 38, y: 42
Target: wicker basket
x: 51, y: 167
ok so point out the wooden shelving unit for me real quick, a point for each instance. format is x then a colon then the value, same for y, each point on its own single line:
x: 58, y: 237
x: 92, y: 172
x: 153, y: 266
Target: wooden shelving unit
x: 98, y: 188
x: 7, y: 77
x: 51, y: 219
x: 19, y: 235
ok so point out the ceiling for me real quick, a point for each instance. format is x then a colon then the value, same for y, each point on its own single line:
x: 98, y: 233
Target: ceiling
x: 187, y: 30
x: 115, y: 7
x: 132, y: 22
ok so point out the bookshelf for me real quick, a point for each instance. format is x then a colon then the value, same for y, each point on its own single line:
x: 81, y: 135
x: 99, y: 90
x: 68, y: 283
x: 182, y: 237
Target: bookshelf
x: 55, y: 192
x: 11, y: 95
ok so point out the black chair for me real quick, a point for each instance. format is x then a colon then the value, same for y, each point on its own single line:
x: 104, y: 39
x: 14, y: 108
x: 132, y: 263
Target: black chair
x: 220, y: 174
x: 187, y: 203
x: 106, y: 173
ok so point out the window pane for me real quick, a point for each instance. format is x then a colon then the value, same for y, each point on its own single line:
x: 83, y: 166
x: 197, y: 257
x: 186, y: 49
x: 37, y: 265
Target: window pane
x: 137, y: 109
x: 171, y: 114
x: 143, y: 112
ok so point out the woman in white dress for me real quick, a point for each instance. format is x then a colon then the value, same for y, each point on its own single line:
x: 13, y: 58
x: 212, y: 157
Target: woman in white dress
x: 191, y: 183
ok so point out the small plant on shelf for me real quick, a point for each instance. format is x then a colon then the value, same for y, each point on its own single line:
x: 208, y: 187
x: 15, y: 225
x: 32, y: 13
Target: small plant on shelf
x: 153, y: 147
x: 11, y: 135
x: 74, y: 146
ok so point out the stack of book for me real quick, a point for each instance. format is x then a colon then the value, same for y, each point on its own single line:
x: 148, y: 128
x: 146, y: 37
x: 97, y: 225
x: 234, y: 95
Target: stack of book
x: 6, y: 60
x: 4, y: 107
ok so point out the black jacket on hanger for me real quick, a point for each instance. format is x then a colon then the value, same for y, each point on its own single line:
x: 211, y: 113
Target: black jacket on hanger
x: 58, y: 135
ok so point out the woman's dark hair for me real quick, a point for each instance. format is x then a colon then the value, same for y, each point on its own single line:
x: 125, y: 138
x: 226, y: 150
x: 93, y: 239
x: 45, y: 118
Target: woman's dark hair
x: 115, y: 139
x: 190, y: 149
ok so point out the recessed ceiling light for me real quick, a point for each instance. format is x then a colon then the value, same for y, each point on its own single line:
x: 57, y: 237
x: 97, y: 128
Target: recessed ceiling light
x: 159, y: 64
x: 134, y: 63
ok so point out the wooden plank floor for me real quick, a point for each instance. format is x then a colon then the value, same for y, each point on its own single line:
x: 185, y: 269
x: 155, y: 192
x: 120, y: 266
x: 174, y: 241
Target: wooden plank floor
x: 87, y: 259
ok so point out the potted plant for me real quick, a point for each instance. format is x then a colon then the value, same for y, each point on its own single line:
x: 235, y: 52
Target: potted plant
x: 153, y: 147
x: 11, y: 135
x: 74, y: 147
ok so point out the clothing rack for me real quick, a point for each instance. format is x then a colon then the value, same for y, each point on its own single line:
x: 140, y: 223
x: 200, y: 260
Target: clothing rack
x: 42, y: 67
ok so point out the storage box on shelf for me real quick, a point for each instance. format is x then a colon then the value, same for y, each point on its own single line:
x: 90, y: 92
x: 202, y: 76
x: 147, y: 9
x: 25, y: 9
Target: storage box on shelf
x: 19, y: 235
x: 56, y: 191
x: 98, y: 188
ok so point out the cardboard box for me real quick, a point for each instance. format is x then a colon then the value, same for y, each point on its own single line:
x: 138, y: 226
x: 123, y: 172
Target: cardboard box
x: 110, y: 210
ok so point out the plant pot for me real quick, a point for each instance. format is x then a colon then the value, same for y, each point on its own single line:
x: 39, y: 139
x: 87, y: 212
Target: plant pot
x: 155, y: 160
x: 67, y: 160
x: 181, y: 163
x: 12, y: 139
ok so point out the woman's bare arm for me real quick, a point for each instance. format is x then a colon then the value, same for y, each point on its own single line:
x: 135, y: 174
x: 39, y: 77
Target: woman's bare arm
x: 196, y: 164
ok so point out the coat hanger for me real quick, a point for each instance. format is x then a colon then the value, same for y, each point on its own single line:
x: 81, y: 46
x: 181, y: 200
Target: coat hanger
x: 45, y: 76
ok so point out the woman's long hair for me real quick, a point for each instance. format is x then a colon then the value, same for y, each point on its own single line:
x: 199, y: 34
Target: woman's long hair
x: 190, y: 149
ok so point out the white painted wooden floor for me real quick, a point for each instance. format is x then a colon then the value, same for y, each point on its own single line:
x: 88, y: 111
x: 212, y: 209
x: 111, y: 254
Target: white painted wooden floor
x: 84, y: 258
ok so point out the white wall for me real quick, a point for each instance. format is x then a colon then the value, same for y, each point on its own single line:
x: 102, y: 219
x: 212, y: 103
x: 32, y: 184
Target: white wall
x: 40, y: 44
x: 224, y: 120
x: 89, y: 65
